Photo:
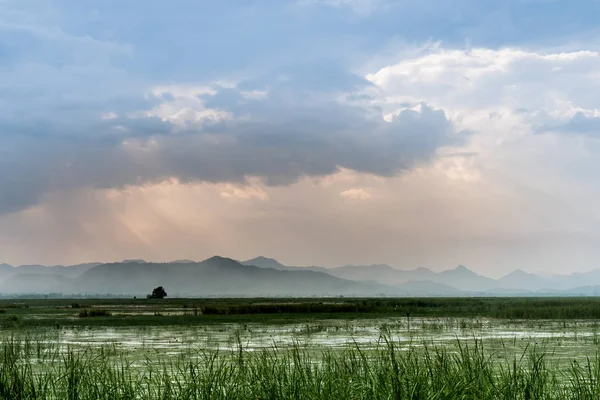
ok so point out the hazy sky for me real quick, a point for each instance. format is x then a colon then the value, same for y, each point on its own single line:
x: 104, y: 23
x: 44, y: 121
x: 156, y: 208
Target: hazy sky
x: 318, y: 132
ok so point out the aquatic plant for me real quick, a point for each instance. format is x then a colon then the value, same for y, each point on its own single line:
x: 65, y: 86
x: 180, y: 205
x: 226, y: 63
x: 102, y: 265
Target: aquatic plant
x: 31, y: 369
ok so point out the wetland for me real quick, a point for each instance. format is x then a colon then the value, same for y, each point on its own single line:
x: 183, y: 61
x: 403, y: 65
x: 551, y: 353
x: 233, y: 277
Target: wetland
x: 299, y: 348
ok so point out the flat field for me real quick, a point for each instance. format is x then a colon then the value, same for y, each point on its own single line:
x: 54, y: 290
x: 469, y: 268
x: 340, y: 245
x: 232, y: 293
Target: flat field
x: 384, y: 348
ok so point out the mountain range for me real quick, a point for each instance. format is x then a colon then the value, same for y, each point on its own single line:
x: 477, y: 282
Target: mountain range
x: 262, y: 276
x: 460, y: 279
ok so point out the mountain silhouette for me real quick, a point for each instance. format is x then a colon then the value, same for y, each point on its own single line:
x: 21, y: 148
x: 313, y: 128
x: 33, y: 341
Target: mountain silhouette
x: 264, y: 276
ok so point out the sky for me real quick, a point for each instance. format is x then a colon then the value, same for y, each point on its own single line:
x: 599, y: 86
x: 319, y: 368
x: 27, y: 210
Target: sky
x: 318, y: 132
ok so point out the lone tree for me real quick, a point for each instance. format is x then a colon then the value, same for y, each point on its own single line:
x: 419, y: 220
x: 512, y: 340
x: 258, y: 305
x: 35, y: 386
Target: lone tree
x: 158, y: 293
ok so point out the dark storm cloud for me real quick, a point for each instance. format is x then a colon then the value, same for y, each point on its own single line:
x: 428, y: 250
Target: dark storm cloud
x: 283, y: 151
x: 297, y: 130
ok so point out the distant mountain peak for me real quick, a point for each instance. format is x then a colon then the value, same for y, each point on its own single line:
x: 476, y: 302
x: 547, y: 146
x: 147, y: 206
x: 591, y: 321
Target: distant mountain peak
x: 517, y: 273
x: 263, y: 258
x: 460, y: 271
x: 463, y: 270
x: 519, y: 279
x: 134, y: 261
x: 264, y: 262
x: 221, y: 261
x: 216, y: 258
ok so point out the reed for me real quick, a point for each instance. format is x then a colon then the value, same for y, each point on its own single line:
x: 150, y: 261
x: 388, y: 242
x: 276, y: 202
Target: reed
x: 35, y: 369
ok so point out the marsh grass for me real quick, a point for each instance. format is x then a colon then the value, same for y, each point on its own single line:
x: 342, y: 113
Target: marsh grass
x: 36, y: 313
x: 40, y: 369
x: 94, y: 313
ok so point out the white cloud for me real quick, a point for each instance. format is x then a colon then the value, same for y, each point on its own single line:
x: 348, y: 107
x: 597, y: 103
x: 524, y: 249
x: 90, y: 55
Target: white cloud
x: 504, y: 96
x: 184, y: 105
x: 461, y: 81
x: 356, y: 194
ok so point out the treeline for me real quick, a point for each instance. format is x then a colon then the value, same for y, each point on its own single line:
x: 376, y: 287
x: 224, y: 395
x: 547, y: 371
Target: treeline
x: 289, y: 308
x: 503, y: 308
x: 364, y: 306
x: 548, y: 309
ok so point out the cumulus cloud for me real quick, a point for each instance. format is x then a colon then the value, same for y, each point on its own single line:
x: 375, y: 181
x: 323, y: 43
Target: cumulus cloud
x: 183, y: 105
x: 505, y: 96
x: 491, y: 79
x: 216, y: 134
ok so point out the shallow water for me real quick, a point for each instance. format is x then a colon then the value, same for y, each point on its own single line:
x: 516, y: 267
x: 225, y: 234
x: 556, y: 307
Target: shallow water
x: 563, y: 340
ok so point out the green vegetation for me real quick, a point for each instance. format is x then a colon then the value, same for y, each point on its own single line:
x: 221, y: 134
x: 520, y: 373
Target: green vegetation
x: 157, y: 293
x: 178, y: 311
x: 506, y: 308
x: 33, y: 369
x: 94, y: 313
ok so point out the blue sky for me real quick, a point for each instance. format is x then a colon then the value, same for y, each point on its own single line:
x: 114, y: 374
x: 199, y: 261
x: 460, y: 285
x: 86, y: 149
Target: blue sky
x: 391, y: 127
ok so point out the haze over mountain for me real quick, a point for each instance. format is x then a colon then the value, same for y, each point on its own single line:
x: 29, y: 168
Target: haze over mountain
x: 460, y: 279
x: 70, y: 271
x: 216, y: 276
x: 265, y: 262
x: 263, y: 276
x: 522, y: 280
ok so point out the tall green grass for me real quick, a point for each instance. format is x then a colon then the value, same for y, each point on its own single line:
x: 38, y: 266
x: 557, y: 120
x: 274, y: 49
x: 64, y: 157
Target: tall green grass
x: 36, y: 369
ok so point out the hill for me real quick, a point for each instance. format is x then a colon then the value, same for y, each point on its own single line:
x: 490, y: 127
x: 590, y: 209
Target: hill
x: 522, y: 280
x: 216, y: 276
x: 460, y: 278
x: 7, y: 271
